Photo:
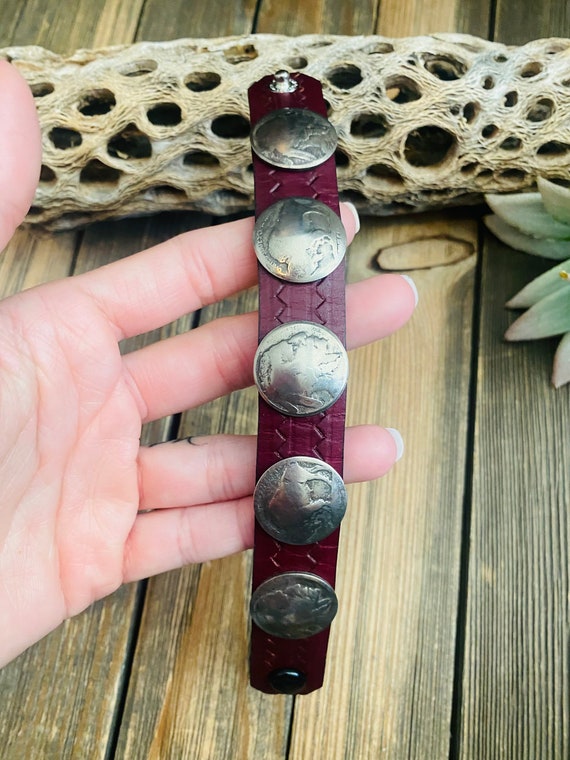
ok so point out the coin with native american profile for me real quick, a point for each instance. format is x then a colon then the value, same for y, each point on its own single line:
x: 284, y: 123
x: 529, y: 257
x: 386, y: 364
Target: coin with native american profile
x: 293, y: 605
x: 294, y: 138
x: 300, y: 368
x: 299, y: 239
x: 300, y: 500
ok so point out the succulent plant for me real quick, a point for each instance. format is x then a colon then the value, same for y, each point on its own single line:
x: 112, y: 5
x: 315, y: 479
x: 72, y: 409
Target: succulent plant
x: 539, y: 224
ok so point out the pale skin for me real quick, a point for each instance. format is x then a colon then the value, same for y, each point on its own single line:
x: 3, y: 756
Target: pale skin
x: 74, y: 478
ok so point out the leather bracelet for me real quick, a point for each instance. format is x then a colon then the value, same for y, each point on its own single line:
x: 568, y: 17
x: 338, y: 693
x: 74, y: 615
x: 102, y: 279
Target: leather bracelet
x: 301, y: 371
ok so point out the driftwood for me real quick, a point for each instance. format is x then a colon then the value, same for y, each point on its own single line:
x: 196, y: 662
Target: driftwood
x: 422, y: 122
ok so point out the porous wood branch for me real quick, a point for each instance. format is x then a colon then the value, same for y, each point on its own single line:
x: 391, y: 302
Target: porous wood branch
x: 422, y: 122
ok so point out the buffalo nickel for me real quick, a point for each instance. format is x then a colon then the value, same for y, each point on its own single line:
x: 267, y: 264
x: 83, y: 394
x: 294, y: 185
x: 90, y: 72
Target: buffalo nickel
x: 300, y: 500
x: 293, y: 605
x: 294, y: 138
x: 300, y: 368
x: 299, y: 239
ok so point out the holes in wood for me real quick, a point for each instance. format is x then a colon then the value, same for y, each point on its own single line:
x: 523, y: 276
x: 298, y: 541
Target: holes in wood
x: 164, y: 114
x: 139, y: 68
x: 231, y: 125
x: 341, y: 159
x: 369, y: 125
x: 165, y: 193
x: 513, y: 175
x: 41, y: 89
x: 202, y: 81
x: 541, y: 110
x: 484, y: 176
x: 511, y: 143
x: 297, y: 63
x: 64, y: 138
x: 385, y: 173
x: 240, y: 53
x: 345, y: 77
x: 97, y: 102
x: 489, y: 130
x: 96, y: 172
x: 444, y: 67
x: 200, y: 158
x: 378, y: 48
x: 47, y: 174
x: 402, y: 90
x: 531, y: 69
x: 429, y: 146
x: 470, y: 111
x: 553, y: 149
x: 129, y: 143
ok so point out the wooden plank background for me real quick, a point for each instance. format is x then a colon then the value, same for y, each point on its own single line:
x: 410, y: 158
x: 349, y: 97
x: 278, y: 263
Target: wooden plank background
x: 452, y: 640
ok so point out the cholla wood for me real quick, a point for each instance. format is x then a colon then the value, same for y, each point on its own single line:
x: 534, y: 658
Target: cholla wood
x: 422, y: 122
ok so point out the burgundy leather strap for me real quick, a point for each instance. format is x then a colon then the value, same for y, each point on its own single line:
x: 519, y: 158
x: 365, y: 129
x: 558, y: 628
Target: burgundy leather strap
x: 280, y: 436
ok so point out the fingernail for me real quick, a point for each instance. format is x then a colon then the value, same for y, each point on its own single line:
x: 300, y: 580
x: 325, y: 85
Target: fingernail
x: 352, y: 208
x: 412, y: 285
x: 399, y: 441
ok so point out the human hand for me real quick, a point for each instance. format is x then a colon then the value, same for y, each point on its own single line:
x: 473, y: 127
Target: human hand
x: 77, y: 486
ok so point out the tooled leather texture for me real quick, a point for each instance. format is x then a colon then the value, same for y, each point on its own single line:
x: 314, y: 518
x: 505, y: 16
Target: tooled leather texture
x: 281, y: 436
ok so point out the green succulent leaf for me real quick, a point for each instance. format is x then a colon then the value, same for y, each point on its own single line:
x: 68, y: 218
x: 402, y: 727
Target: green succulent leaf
x: 542, y: 286
x: 556, y: 199
x: 526, y: 212
x: 550, y: 316
x: 545, y: 247
x: 561, y: 369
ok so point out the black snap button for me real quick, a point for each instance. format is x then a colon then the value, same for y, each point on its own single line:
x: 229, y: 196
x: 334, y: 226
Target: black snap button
x: 287, y: 680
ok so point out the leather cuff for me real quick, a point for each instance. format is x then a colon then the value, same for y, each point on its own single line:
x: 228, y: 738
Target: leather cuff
x: 301, y: 370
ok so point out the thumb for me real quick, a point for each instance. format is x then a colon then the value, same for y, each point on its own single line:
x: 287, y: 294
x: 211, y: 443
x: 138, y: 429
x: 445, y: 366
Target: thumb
x: 20, y: 150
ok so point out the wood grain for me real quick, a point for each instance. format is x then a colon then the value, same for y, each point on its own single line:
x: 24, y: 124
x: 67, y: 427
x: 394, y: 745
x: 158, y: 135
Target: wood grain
x: 296, y: 17
x: 74, y: 678
x: 195, y: 19
x: 159, y: 670
x: 516, y: 672
x: 514, y: 692
x: 414, y: 17
x: 389, y: 684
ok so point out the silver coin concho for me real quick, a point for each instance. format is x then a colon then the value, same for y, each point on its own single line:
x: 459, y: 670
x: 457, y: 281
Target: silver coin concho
x: 294, y: 138
x: 300, y: 368
x: 299, y: 239
x: 300, y: 500
x: 293, y: 605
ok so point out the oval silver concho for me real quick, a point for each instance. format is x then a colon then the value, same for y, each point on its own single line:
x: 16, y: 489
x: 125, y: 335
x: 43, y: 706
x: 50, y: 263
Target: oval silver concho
x: 299, y: 239
x: 294, y: 138
x: 300, y: 368
x: 293, y: 605
x: 300, y: 500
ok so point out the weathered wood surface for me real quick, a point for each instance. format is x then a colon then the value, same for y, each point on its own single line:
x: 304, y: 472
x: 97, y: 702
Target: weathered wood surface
x: 452, y: 640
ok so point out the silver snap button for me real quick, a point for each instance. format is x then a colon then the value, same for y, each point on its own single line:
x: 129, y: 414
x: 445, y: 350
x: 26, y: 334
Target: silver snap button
x: 283, y: 82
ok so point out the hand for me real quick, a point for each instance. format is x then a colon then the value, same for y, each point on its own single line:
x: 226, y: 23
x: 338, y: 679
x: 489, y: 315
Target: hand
x: 74, y: 476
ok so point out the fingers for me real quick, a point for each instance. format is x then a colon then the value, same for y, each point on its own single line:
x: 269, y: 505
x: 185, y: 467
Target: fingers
x: 168, y: 538
x: 152, y: 288
x: 225, y: 464
x: 20, y: 150
x: 217, y: 358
